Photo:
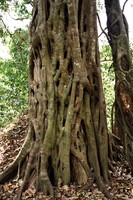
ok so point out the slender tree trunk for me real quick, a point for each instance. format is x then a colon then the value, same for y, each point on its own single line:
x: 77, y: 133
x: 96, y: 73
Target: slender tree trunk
x: 67, y: 106
x: 118, y: 33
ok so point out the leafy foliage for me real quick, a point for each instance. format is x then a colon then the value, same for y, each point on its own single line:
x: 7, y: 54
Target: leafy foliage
x: 4, y: 4
x: 20, y: 7
x: 108, y: 79
x: 14, y: 79
x: 14, y: 71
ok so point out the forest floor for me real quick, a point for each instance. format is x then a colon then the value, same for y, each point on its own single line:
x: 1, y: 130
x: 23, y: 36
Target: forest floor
x: 11, y: 140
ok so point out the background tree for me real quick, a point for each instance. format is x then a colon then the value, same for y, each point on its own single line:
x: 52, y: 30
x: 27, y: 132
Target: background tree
x: 67, y: 138
x: 119, y: 42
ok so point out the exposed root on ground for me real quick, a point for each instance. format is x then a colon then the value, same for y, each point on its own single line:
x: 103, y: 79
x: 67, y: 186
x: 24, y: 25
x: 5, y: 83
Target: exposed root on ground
x: 30, y: 175
x: 10, y: 171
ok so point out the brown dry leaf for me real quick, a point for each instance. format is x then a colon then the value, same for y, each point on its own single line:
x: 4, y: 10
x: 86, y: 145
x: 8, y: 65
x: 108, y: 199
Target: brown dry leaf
x: 14, y: 186
x: 65, y: 187
x: 6, y: 188
x: 119, y: 195
x: 29, y: 193
x: 47, y: 198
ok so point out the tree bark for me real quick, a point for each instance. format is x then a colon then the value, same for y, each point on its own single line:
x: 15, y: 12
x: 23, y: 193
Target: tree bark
x: 119, y: 42
x: 67, y: 106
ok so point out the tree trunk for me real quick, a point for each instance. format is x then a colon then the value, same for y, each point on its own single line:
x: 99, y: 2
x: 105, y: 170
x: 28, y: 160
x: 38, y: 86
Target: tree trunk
x: 67, y: 107
x: 119, y: 42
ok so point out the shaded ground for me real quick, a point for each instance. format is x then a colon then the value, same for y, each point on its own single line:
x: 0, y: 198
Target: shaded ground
x: 11, y: 140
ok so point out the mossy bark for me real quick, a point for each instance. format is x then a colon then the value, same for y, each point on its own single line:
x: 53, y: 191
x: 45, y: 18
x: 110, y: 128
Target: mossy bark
x: 67, y: 106
x: 119, y: 42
